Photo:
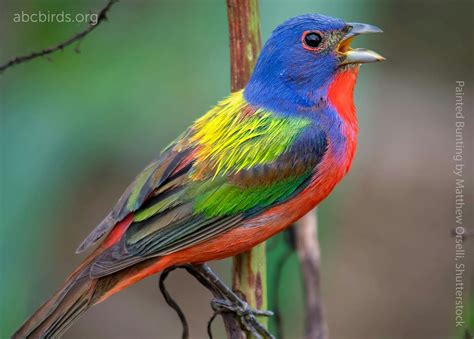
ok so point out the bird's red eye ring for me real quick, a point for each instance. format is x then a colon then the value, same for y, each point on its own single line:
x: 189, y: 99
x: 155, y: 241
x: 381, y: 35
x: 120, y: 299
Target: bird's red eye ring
x: 311, y: 40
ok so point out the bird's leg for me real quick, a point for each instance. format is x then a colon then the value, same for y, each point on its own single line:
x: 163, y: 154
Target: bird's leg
x: 227, y: 301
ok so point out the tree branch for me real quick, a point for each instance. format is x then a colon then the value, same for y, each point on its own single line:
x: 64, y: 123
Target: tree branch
x: 102, y: 16
x: 244, y: 40
x: 201, y: 274
x: 232, y: 326
x: 249, y: 269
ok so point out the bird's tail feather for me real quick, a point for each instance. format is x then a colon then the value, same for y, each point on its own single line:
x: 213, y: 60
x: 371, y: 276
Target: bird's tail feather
x: 58, y: 313
x: 79, y: 293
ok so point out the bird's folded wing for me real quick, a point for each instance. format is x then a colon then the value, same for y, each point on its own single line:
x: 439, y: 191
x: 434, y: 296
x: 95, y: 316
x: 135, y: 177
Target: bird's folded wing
x: 193, y: 192
x: 152, y: 177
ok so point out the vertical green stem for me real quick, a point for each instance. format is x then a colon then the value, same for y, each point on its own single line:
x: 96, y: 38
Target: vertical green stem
x: 309, y: 253
x: 249, y: 269
x: 244, y: 40
x: 250, y: 278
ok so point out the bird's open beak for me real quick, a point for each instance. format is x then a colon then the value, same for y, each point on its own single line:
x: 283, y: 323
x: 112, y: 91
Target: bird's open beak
x: 358, y: 55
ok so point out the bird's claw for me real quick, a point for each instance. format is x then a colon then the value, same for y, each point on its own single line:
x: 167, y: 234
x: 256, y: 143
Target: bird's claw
x: 246, y: 315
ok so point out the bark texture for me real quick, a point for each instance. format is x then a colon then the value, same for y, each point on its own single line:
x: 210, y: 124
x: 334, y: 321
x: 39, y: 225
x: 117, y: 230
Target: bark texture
x: 249, y: 269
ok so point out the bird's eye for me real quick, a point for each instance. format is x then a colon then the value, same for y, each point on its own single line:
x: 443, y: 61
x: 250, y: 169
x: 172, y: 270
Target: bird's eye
x: 311, y: 40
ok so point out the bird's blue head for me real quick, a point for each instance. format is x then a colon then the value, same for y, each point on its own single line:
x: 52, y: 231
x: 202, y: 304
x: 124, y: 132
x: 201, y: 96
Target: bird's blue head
x: 300, y: 59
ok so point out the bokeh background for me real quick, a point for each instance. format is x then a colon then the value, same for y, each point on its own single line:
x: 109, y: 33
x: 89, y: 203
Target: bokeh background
x: 76, y: 130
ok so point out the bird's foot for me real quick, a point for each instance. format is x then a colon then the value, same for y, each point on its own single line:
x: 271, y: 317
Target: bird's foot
x: 246, y: 316
x: 228, y: 302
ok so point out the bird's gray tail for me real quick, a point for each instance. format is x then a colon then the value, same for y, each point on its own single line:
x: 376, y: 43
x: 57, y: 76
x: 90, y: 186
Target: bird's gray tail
x: 57, y: 314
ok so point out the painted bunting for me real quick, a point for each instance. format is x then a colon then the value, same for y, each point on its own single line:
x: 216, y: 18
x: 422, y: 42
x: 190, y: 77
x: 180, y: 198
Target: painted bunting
x: 250, y: 167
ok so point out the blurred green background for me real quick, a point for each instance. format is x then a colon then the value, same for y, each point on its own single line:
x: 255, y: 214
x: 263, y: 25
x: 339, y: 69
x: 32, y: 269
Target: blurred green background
x: 76, y: 129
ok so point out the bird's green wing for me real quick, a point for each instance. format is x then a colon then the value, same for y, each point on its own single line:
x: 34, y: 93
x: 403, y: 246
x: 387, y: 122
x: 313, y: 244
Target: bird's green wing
x: 149, y: 180
x: 208, y: 192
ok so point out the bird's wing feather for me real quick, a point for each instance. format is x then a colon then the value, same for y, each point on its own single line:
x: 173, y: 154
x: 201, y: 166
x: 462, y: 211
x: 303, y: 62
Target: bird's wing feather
x: 208, y: 192
x: 152, y: 177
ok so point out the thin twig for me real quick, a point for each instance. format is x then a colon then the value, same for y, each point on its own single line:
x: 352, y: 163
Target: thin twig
x: 102, y: 16
x: 172, y: 303
x: 232, y: 326
x: 201, y: 274
x: 209, y: 325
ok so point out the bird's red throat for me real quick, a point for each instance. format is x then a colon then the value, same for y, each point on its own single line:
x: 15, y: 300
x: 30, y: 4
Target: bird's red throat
x: 341, y: 94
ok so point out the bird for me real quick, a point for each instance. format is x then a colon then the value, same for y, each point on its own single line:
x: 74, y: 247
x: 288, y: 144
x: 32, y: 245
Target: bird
x: 247, y: 169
